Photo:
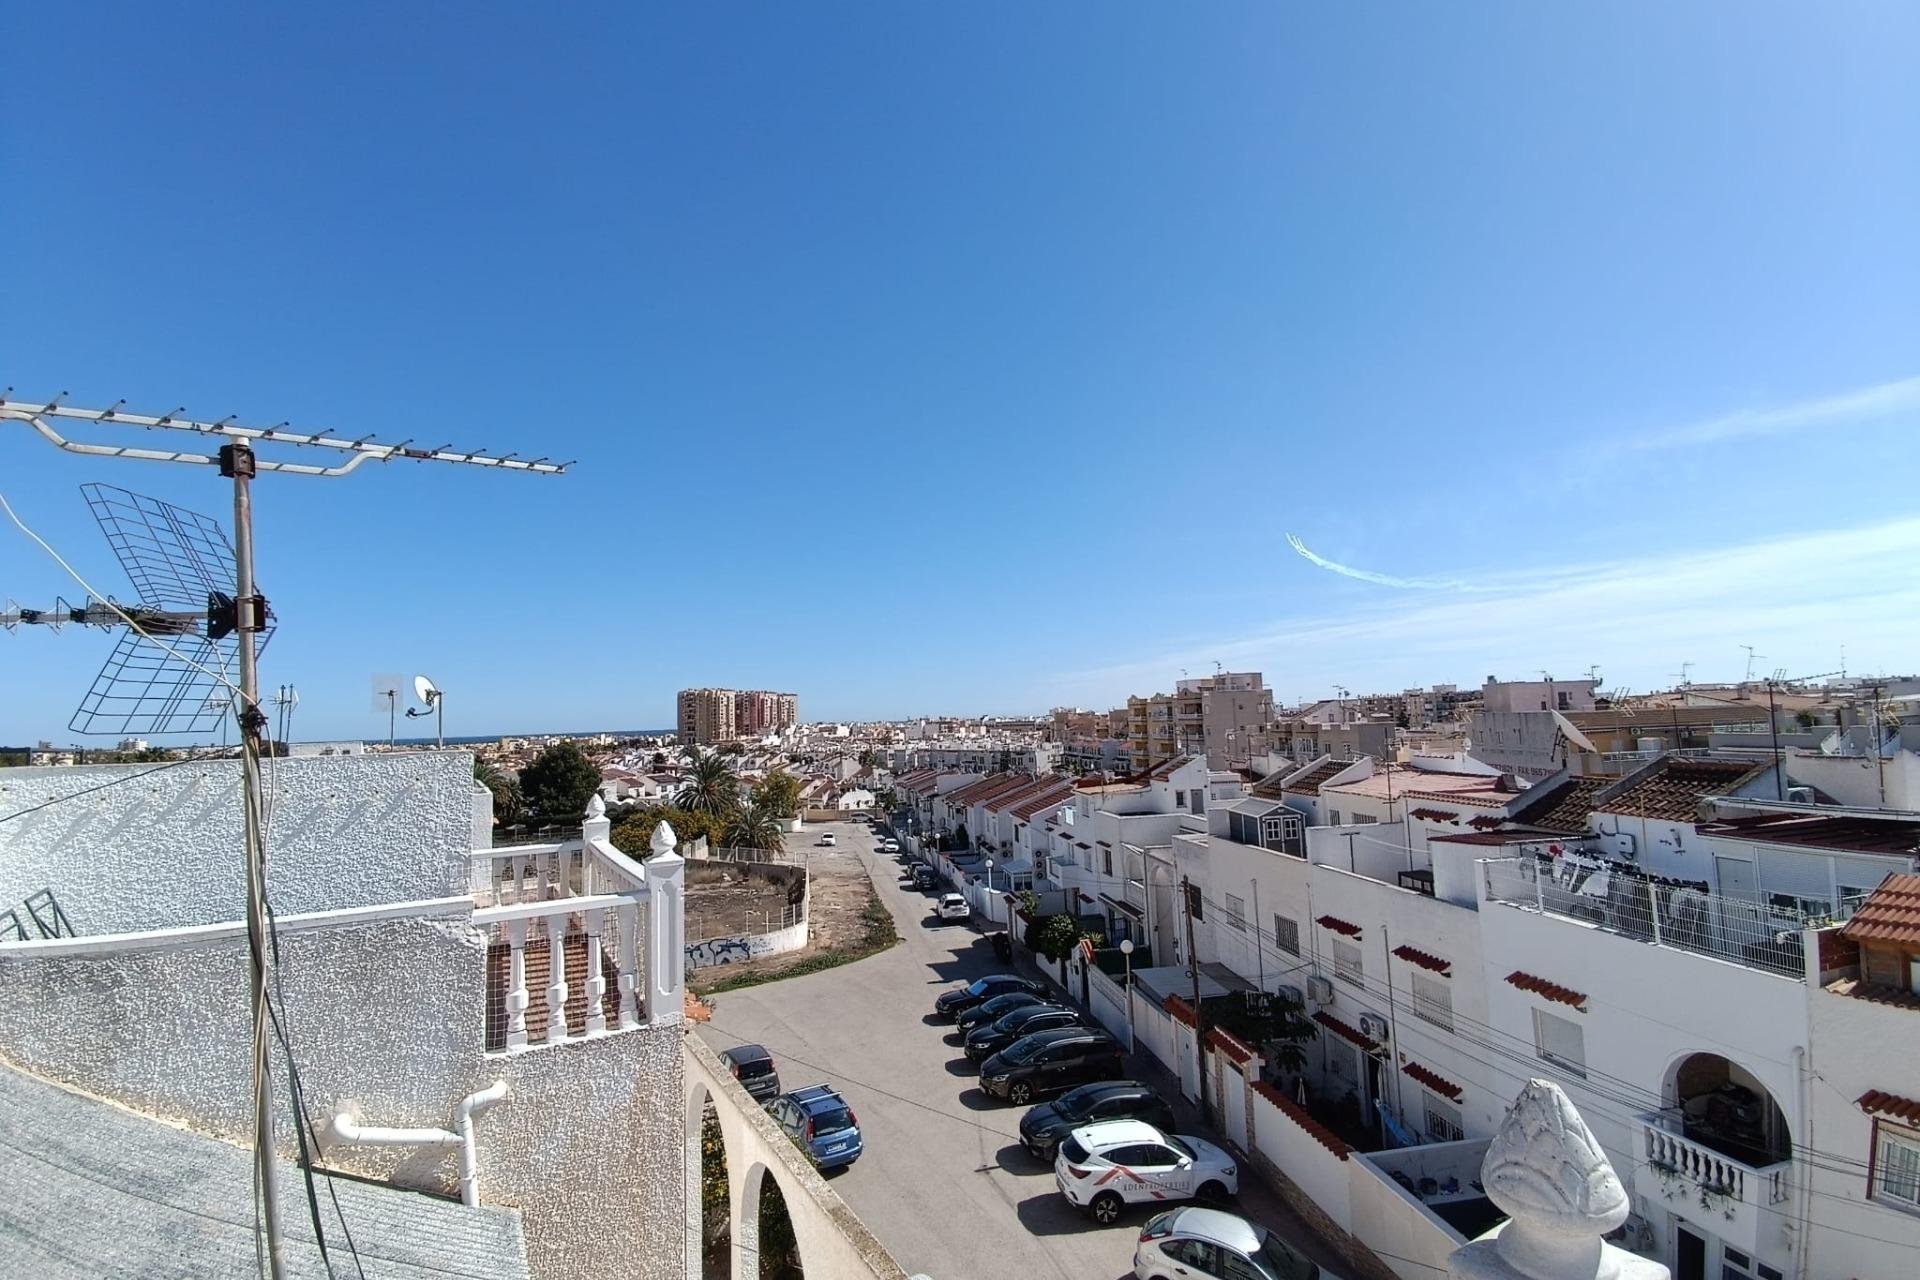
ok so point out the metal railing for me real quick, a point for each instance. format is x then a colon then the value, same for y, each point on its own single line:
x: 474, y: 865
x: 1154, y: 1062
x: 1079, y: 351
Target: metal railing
x: 1740, y: 930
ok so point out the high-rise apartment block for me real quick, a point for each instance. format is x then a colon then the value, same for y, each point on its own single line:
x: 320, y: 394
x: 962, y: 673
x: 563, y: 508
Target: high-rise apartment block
x: 1211, y: 716
x: 708, y: 716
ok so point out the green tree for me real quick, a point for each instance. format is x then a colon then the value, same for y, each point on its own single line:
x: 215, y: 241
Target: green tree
x: 633, y: 835
x: 778, y: 793
x: 869, y: 758
x: 509, y: 806
x: 711, y: 786
x: 960, y: 836
x: 559, y: 782
x: 754, y: 826
x: 1006, y: 761
x: 1053, y: 936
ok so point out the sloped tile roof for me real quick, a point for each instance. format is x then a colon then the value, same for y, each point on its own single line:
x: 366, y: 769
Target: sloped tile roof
x: 1671, y: 791
x: 1900, y: 839
x: 1271, y: 786
x: 1167, y: 768
x: 1565, y: 808
x: 1300, y: 1116
x: 1876, y: 1102
x: 1548, y: 990
x: 1433, y: 1080
x: 1058, y: 791
x: 1890, y: 914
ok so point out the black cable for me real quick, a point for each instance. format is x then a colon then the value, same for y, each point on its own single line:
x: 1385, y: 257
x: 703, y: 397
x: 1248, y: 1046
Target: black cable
x: 105, y: 786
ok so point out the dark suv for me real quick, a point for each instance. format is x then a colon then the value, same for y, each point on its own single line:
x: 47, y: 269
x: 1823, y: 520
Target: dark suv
x: 752, y: 1066
x: 951, y: 1004
x: 1043, y: 1126
x: 988, y: 1037
x: 1049, y: 1062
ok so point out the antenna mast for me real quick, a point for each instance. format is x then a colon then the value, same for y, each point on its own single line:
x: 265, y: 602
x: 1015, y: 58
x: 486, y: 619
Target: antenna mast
x: 237, y: 461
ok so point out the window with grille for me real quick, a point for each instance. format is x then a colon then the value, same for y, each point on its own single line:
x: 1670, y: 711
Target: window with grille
x: 1348, y: 963
x: 1443, y: 1120
x: 1559, y: 1041
x: 1236, y: 913
x: 1433, y: 1000
x: 1896, y: 1170
x: 1286, y: 934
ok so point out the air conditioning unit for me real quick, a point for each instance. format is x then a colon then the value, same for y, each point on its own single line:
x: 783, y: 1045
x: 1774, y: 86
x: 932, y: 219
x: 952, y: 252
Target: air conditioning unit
x: 1320, y: 990
x: 1800, y: 795
x: 1374, y: 1027
x: 1288, y: 995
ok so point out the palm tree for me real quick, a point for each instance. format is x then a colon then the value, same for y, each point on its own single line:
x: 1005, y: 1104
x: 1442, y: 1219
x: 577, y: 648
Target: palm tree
x: 755, y: 827
x: 509, y: 806
x: 711, y: 786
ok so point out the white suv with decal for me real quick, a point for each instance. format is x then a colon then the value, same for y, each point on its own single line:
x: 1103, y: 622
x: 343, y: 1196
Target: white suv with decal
x: 1104, y: 1167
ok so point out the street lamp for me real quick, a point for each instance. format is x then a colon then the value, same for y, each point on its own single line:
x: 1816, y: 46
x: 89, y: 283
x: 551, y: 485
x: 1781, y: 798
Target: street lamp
x: 1126, y: 954
x: 990, y: 912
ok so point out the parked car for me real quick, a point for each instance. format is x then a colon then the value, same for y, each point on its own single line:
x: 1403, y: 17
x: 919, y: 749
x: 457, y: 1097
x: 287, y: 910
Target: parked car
x: 923, y: 876
x: 1211, y: 1242
x: 1036, y: 1065
x: 986, y: 1037
x: 752, y: 1066
x: 822, y: 1123
x: 953, y: 907
x: 1104, y: 1167
x: 889, y: 846
x: 1045, y: 1124
x: 951, y: 1004
x: 988, y: 1011
x: 829, y: 839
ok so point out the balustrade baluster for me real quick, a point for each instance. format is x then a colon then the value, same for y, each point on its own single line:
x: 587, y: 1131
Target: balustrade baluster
x: 629, y: 961
x: 519, y: 877
x: 596, y: 984
x: 556, y: 978
x: 516, y: 984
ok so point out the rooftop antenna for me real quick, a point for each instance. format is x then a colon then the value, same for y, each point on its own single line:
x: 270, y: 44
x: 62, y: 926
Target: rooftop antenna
x: 1751, y: 655
x: 170, y: 671
x: 435, y: 700
x: 245, y: 618
x: 386, y: 697
x: 284, y: 701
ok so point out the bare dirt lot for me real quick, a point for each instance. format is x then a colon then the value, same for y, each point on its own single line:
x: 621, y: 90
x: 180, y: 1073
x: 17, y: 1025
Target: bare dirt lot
x: 726, y: 898
x: 841, y: 891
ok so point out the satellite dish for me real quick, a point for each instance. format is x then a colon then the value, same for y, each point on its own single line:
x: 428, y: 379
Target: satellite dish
x: 423, y: 689
x: 436, y: 703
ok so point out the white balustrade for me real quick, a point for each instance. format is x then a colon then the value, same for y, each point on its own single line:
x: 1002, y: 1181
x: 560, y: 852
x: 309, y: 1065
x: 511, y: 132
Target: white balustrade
x: 596, y: 984
x: 1737, y: 1200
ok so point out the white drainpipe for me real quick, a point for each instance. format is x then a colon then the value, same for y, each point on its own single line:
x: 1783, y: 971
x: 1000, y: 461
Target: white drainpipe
x: 347, y: 1130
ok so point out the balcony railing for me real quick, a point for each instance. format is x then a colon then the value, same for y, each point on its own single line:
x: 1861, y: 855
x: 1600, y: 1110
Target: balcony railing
x: 1708, y: 1186
x: 1739, y: 930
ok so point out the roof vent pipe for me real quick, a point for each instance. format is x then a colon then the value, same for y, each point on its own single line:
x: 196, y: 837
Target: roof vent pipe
x: 346, y: 1130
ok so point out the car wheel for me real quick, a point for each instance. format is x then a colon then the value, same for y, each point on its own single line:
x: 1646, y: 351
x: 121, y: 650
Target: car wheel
x: 1020, y: 1094
x: 1212, y: 1193
x: 1106, y: 1208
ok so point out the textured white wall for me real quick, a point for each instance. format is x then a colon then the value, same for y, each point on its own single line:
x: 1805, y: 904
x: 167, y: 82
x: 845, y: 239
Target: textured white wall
x: 390, y: 1014
x: 163, y: 850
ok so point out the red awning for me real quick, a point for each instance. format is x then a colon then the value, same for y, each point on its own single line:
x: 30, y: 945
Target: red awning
x: 1426, y: 960
x: 1344, y: 1031
x: 1433, y: 1080
x: 1338, y: 925
x: 1874, y: 1102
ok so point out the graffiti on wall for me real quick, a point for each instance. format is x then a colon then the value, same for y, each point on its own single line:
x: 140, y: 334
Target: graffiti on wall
x: 745, y: 946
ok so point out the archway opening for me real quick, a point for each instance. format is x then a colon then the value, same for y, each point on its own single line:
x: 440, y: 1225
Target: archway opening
x: 771, y: 1229
x: 1724, y: 1107
x: 715, y: 1214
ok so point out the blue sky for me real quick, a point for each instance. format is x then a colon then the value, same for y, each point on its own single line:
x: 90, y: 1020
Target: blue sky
x: 927, y: 358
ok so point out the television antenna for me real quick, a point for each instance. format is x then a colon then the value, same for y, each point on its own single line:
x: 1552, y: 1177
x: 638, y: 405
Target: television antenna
x: 1751, y: 655
x: 247, y: 622
x: 435, y: 700
x: 386, y: 697
x: 173, y: 664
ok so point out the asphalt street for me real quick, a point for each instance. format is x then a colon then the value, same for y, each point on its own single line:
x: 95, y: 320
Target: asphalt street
x: 943, y: 1182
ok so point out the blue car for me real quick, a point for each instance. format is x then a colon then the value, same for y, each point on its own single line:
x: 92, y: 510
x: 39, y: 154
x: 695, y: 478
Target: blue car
x: 822, y: 1123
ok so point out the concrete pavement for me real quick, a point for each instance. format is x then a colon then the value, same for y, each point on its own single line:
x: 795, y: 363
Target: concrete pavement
x: 944, y: 1182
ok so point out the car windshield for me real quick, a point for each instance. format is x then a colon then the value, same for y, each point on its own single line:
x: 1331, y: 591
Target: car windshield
x: 832, y: 1119
x: 980, y: 987
x: 1282, y: 1263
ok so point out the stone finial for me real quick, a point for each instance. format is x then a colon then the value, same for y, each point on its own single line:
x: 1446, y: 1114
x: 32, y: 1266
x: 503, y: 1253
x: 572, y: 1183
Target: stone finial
x: 596, y: 808
x: 664, y: 841
x: 1547, y: 1171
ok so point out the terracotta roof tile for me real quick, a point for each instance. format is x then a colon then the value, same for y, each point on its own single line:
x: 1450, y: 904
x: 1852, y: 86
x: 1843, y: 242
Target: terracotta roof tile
x: 1181, y: 1011
x: 1900, y: 839
x: 1299, y: 1115
x: 1549, y: 990
x: 1426, y: 960
x: 1565, y: 807
x: 1231, y: 1045
x: 1671, y: 790
x: 1352, y: 1034
x: 1433, y: 1080
x: 1891, y: 913
x: 1271, y: 786
x: 1875, y: 1102
x: 1338, y: 925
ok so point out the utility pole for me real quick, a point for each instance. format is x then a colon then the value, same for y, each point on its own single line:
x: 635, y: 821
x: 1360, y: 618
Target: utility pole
x: 1199, y: 1011
x: 236, y: 460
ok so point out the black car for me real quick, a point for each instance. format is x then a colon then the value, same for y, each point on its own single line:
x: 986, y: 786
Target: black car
x: 1044, y: 1125
x: 989, y: 1038
x: 752, y: 1066
x: 951, y: 1004
x: 989, y: 1011
x: 1049, y: 1062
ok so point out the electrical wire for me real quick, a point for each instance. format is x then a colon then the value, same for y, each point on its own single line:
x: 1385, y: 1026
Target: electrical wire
x: 105, y: 786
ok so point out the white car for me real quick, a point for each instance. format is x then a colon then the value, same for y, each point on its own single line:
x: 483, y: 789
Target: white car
x: 953, y: 907
x: 1105, y: 1167
x: 1206, y: 1242
x: 829, y: 839
x: 889, y: 846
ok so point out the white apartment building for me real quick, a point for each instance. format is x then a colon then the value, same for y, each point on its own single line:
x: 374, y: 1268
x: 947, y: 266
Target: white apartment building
x: 1656, y: 944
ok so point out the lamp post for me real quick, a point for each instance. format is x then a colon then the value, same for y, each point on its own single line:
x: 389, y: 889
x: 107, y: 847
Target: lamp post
x: 990, y: 912
x: 1126, y: 954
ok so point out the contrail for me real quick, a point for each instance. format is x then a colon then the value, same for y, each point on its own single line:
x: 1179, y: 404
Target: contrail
x: 1380, y: 579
